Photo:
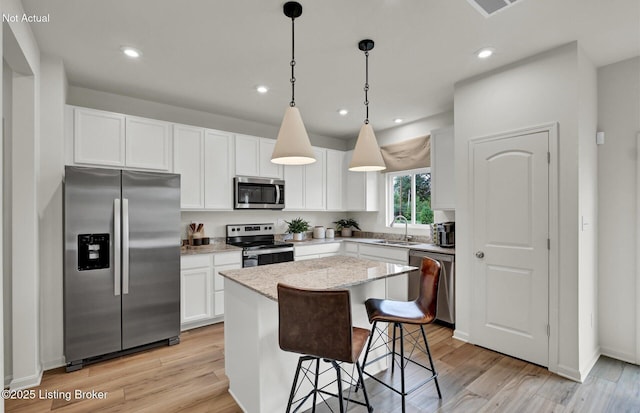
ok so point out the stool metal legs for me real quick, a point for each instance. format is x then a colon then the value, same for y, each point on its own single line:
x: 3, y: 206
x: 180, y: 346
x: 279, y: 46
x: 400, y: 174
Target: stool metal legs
x: 403, y: 359
x: 336, y: 366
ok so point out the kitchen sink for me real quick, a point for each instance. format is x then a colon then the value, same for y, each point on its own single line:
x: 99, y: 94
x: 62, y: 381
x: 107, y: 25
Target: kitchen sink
x: 394, y: 242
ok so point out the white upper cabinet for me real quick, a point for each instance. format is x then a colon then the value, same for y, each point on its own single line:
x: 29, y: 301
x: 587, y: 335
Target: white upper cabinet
x: 305, y: 185
x: 188, y: 161
x: 253, y: 157
x: 98, y: 138
x: 362, y: 189
x: 148, y: 144
x: 204, y: 160
x: 443, y: 182
x: 336, y: 172
x: 218, y: 169
x: 112, y: 139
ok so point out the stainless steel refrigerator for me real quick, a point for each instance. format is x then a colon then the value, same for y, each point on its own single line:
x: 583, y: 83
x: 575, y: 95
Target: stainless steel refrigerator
x: 121, y: 261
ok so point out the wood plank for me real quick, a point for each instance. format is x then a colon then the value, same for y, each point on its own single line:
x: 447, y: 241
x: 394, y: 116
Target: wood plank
x: 608, y: 369
x: 626, y: 397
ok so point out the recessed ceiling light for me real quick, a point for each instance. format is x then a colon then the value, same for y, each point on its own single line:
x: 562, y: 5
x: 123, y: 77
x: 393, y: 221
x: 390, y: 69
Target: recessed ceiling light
x: 343, y: 112
x: 398, y: 120
x: 484, y: 53
x: 131, y: 52
x: 262, y: 89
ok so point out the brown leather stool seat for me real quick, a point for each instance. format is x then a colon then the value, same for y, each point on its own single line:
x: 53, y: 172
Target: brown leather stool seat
x: 419, y: 312
x: 317, y: 324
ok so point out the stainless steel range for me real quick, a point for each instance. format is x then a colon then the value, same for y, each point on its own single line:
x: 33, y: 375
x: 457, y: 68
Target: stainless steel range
x: 258, y: 244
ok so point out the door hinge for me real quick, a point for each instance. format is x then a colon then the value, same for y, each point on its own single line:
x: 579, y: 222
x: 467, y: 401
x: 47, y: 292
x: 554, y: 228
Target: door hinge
x: 548, y: 157
x: 548, y: 243
x: 548, y: 330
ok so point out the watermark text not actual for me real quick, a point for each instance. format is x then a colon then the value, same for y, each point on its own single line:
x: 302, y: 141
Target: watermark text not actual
x: 26, y: 18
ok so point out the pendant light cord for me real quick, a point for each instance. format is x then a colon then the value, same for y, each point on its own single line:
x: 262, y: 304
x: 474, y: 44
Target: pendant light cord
x: 293, y: 63
x: 366, y: 87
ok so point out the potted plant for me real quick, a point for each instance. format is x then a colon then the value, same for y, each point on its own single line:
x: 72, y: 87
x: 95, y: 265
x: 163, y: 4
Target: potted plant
x: 297, y: 227
x: 344, y: 226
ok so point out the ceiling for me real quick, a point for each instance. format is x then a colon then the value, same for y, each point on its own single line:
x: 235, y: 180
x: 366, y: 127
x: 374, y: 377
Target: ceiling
x: 210, y: 55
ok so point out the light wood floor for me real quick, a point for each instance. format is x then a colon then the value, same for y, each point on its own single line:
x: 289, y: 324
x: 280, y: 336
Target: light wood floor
x: 190, y: 377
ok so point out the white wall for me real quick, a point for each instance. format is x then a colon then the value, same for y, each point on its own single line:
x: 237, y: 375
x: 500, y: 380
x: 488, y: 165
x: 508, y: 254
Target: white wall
x: 52, y: 99
x: 7, y: 99
x: 378, y: 221
x: 535, y: 91
x: 619, y: 118
x: 215, y: 221
x: 131, y: 106
x: 21, y: 53
x: 588, y: 213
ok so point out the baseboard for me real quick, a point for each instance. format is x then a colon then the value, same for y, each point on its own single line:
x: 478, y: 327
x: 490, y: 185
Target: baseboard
x: 237, y: 401
x: 461, y: 335
x: 584, y: 372
x: 201, y: 323
x: 26, y: 382
x: 568, y: 373
x: 618, y: 355
x: 7, y: 380
x: 53, y: 364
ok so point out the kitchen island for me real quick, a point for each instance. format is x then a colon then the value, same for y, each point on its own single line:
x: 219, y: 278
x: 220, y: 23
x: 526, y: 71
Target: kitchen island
x: 260, y: 374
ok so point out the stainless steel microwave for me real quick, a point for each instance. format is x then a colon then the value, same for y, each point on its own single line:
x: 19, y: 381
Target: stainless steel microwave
x: 258, y: 193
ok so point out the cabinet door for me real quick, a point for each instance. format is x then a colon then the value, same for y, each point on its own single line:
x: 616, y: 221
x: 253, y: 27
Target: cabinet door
x: 267, y: 168
x: 247, y: 150
x: 294, y: 187
x: 147, y: 144
x: 355, y: 191
x: 315, y: 182
x: 443, y: 183
x: 99, y: 138
x: 196, y: 301
x: 188, y: 162
x: 219, y: 287
x: 218, y: 170
x: 336, y: 168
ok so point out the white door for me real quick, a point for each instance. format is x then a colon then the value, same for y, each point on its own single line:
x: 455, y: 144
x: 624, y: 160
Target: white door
x: 510, y: 227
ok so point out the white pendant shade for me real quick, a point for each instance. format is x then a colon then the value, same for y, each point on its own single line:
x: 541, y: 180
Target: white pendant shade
x: 366, y: 155
x: 293, y: 146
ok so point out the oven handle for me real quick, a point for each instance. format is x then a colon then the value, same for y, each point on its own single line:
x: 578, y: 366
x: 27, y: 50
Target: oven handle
x: 251, y: 253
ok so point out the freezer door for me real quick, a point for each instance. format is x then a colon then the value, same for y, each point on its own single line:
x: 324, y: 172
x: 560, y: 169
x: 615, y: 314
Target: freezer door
x: 91, y: 284
x: 150, y: 258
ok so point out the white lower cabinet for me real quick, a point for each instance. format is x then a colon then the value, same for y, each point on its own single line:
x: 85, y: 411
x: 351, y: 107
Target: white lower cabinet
x: 196, y: 290
x: 202, y: 287
x: 307, y: 252
x: 397, y: 286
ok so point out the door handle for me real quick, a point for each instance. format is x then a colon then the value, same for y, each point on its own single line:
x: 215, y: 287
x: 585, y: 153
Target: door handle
x: 125, y: 246
x: 479, y: 254
x: 117, y: 262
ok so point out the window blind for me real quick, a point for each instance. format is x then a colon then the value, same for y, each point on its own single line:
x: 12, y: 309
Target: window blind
x: 410, y: 154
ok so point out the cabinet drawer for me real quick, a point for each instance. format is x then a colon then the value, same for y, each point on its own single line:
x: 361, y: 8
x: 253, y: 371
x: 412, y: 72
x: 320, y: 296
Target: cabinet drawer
x: 391, y: 253
x: 226, y: 258
x: 195, y: 261
x: 317, y: 249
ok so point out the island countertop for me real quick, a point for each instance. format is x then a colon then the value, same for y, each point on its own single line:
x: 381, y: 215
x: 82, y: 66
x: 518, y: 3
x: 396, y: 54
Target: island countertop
x: 320, y: 273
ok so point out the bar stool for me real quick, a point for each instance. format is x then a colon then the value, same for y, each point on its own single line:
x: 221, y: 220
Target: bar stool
x: 317, y: 324
x: 419, y: 312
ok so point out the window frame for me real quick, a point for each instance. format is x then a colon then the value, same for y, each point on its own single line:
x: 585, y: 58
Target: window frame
x: 389, y: 204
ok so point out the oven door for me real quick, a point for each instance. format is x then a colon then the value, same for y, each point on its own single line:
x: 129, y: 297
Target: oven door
x: 252, y: 258
x: 258, y: 193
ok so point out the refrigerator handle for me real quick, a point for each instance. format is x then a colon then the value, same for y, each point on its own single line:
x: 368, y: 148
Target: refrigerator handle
x: 116, y: 247
x: 125, y: 246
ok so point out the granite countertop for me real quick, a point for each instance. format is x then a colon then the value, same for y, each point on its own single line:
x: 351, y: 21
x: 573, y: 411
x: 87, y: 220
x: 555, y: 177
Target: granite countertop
x: 209, y: 249
x: 376, y: 241
x: 319, y: 273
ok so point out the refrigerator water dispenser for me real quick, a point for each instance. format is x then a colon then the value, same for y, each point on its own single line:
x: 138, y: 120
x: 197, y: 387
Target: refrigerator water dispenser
x: 93, y: 251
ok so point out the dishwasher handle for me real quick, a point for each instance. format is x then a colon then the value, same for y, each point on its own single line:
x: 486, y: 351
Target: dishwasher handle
x: 432, y: 255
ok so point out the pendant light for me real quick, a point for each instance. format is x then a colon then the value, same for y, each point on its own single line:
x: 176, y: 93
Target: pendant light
x: 366, y: 154
x: 292, y: 146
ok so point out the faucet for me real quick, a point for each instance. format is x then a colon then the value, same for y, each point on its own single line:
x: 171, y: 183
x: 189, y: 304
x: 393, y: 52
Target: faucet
x: 406, y: 223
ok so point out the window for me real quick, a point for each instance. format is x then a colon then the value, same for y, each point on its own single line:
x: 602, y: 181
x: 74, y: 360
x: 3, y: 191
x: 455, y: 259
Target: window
x: 409, y: 194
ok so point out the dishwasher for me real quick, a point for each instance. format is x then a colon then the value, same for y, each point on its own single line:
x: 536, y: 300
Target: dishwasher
x: 446, y: 311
